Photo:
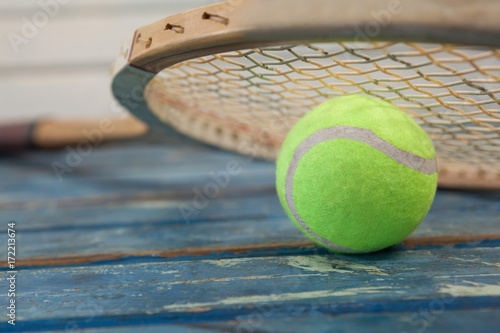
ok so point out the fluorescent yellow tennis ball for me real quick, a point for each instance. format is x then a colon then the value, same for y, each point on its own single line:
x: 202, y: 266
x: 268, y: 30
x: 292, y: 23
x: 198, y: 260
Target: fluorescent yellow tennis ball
x: 356, y: 174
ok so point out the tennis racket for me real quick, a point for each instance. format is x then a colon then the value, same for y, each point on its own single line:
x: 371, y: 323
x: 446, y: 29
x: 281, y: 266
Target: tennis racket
x: 239, y: 74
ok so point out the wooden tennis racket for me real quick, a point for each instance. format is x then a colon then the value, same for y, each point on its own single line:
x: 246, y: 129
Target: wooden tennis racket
x: 239, y: 74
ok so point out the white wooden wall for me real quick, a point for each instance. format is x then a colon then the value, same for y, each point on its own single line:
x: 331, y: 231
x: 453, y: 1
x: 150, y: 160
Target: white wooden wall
x: 62, y: 71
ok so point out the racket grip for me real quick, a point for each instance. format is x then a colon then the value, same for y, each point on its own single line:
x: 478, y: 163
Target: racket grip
x: 51, y: 134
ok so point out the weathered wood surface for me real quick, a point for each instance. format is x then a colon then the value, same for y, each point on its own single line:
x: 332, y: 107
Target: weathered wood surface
x: 446, y: 321
x: 139, y: 199
x: 108, y: 249
x: 280, y: 286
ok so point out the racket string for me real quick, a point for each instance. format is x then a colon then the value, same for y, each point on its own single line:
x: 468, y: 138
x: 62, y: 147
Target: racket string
x: 451, y: 91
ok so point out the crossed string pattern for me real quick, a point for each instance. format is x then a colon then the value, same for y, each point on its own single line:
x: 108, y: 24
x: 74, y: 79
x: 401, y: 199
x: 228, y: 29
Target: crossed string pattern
x: 453, y: 92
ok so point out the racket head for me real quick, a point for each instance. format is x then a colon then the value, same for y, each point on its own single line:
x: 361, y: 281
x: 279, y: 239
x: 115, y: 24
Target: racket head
x: 227, y: 75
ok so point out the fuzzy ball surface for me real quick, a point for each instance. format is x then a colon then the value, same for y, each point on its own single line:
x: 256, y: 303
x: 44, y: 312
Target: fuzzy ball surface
x: 356, y: 174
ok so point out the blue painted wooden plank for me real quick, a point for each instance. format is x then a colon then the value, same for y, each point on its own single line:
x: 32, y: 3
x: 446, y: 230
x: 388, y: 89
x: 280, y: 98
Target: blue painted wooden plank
x: 108, y: 163
x: 85, y: 184
x: 457, y: 212
x: 430, y: 318
x: 104, y: 159
x: 250, y: 219
x: 121, y: 191
x: 125, y: 168
x: 435, y: 320
x: 145, y: 239
x: 169, y: 328
x: 226, y: 289
x: 156, y: 209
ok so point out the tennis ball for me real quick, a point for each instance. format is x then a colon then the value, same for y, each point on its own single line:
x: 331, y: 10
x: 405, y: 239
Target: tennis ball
x: 356, y: 174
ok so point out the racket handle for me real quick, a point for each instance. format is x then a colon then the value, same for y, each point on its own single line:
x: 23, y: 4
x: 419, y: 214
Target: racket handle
x: 49, y: 134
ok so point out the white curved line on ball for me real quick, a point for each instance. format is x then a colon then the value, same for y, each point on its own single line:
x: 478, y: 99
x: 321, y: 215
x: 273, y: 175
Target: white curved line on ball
x: 415, y: 162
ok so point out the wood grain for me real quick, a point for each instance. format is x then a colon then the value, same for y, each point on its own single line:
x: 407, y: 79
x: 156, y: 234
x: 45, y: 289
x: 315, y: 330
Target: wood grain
x: 51, y: 134
x: 448, y: 321
x: 107, y: 249
x: 223, y: 289
x: 97, y: 212
x: 445, y: 21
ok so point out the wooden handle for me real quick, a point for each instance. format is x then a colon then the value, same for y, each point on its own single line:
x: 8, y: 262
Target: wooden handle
x: 55, y: 134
